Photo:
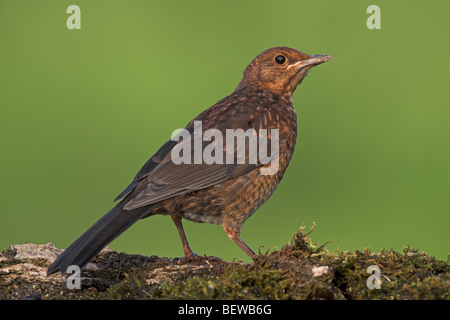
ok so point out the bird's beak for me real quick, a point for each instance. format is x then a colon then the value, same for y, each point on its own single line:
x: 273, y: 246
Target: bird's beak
x: 318, y: 59
x: 313, y: 60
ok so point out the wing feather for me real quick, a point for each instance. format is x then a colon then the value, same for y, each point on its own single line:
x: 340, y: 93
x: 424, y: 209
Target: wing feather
x: 161, y: 179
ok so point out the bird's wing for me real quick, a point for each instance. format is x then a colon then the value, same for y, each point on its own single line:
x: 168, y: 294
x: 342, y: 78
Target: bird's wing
x: 161, y: 178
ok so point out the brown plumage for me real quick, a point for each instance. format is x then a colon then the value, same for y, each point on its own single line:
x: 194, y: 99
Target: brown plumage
x: 228, y: 193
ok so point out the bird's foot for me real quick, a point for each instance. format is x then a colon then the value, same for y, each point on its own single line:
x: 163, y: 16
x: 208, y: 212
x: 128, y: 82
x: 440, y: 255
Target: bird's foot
x: 196, y: 259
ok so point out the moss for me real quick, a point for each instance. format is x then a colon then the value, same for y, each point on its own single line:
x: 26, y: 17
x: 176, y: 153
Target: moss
x: 237, y: 282
x: 300, y: 270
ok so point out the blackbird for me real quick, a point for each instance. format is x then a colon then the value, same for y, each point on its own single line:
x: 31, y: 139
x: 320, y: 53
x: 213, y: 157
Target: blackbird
x: 223, y: 193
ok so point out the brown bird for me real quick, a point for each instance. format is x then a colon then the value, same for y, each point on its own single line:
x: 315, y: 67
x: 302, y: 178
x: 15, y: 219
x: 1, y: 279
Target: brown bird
x: 222, y: 192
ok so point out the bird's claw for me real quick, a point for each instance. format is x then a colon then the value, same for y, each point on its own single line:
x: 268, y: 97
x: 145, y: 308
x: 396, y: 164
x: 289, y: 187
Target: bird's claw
x: 196, y: 259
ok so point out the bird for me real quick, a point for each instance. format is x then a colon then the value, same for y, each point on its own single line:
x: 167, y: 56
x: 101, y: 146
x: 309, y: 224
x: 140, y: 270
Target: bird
x: 224, y: 193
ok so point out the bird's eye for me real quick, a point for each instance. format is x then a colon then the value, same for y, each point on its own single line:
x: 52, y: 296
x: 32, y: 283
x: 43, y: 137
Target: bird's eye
x: 280, y: 59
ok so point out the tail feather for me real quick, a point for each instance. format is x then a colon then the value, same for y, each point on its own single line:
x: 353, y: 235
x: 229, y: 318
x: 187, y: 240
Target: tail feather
x: 105, y: 230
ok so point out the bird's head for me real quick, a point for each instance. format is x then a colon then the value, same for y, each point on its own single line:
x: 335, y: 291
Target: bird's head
x: 279, y: 70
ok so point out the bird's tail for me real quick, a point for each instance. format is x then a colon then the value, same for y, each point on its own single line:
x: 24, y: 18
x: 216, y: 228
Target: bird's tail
x: 105, y: 230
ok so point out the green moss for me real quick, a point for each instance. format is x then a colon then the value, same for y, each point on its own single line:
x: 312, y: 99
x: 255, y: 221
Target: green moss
x: 237, y: 282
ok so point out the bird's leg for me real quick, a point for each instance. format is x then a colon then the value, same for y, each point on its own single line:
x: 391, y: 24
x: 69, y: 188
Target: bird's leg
x: 188, y: 253
x: 234, y: 233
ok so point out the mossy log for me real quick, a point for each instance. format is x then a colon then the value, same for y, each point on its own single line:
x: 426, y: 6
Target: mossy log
x: 300, y: 270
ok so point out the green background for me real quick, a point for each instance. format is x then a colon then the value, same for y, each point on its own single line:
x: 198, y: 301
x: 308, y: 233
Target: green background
x: 82, y: 110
